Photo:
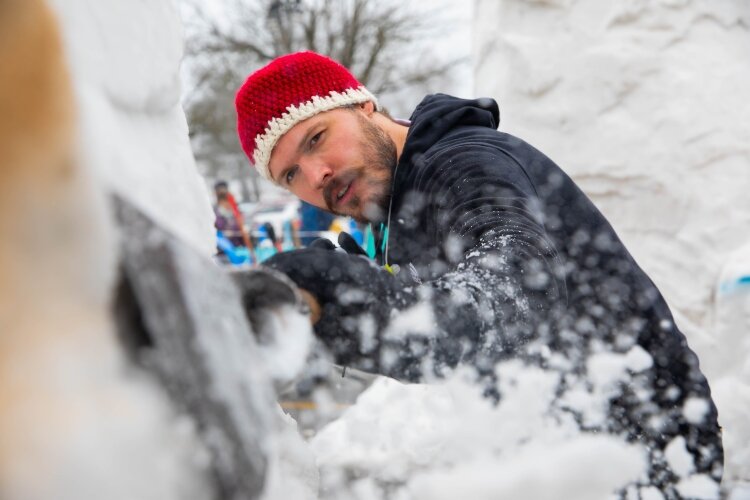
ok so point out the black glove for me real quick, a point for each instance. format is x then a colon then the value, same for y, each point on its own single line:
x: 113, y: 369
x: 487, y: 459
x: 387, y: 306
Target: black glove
x: 322, y: 243
x: 348, y: 243
x: 356, y: 297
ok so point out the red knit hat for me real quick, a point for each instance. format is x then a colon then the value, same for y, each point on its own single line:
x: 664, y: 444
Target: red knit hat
x: 288, y: 90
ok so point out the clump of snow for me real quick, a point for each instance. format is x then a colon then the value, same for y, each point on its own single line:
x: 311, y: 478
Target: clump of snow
x: 695, y: 410
x: 606, y: 370
x: 650, y: 493
x: 287, y: 342
x: 292, y: 473
x: 586, y: 468
x: 679, y: 458
x: 637, y: 359
x: 698, y: 487
x: 415, y: 320
x: 447, y: 440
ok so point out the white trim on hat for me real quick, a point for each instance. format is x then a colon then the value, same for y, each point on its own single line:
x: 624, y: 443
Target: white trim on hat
x: 277, y: 127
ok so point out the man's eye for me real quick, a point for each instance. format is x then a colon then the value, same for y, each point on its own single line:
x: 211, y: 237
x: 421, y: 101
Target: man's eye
x: 290, y: 175
x: 314, y: 139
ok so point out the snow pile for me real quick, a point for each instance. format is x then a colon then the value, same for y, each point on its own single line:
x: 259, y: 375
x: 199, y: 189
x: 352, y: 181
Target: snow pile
x: 292, y: 472
x: 643, y: 103
x: 445, y: 440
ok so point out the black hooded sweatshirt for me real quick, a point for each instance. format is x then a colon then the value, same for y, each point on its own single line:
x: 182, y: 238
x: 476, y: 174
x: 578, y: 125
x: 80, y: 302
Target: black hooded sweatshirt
x: 516, y: 262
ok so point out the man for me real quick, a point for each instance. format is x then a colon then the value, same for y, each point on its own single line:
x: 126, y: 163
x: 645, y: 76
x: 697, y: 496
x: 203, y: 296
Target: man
x: 494, y: 254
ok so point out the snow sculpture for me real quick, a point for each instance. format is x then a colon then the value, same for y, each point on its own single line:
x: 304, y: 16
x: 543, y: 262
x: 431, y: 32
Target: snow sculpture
x: 95, y: 405
x: 643, y: 104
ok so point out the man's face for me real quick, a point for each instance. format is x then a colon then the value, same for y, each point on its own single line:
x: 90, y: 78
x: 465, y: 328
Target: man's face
x: 339, y: 161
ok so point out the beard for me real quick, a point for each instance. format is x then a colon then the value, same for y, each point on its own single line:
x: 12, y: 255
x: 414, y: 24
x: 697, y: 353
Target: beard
x: 375, y: 174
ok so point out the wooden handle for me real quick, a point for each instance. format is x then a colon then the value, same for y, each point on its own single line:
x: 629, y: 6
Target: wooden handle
x: 315, y: 310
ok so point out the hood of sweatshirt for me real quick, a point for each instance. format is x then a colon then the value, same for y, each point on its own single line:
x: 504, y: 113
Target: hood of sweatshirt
x: 439, y: 114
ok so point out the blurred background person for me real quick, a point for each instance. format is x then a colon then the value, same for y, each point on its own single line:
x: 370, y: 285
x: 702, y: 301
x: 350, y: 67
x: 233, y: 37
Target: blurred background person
x: 230, y: 225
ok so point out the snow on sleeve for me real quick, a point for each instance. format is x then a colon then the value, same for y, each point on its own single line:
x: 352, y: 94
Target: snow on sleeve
x: 679, y: 458
x: 588, y: 396
x: 695, y: 410
x: 699, y: 487
x: 418, y: 319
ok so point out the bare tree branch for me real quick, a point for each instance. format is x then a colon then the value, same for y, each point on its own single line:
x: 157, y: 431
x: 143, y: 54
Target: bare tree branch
x: 378, y: 40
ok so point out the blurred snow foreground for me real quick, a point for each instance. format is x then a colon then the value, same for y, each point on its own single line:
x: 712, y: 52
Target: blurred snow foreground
x: 130, y: 370
x: 445, y: 442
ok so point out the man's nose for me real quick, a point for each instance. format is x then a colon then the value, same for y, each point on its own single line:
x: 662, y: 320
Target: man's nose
x: 319, y: 173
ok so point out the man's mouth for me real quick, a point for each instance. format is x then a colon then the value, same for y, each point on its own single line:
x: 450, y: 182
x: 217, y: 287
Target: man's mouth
x: 343, y: 192
x: 339, y: 193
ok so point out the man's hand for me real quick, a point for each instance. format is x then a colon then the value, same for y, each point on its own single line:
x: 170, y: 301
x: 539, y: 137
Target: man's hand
x: 312, y: 304
x: 355, y: 295
x: 333, y: 276
x: 346, y: 242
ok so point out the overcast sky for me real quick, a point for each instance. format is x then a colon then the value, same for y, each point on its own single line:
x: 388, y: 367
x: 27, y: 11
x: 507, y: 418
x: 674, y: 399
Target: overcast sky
x: 452, y: 40
x: 457, y: 42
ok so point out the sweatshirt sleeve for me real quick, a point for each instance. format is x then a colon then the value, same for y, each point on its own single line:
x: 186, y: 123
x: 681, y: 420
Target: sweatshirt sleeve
x: 503, y: 279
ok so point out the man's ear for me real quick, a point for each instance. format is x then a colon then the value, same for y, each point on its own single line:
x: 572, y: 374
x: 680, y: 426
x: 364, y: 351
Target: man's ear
x: 368, y: 108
